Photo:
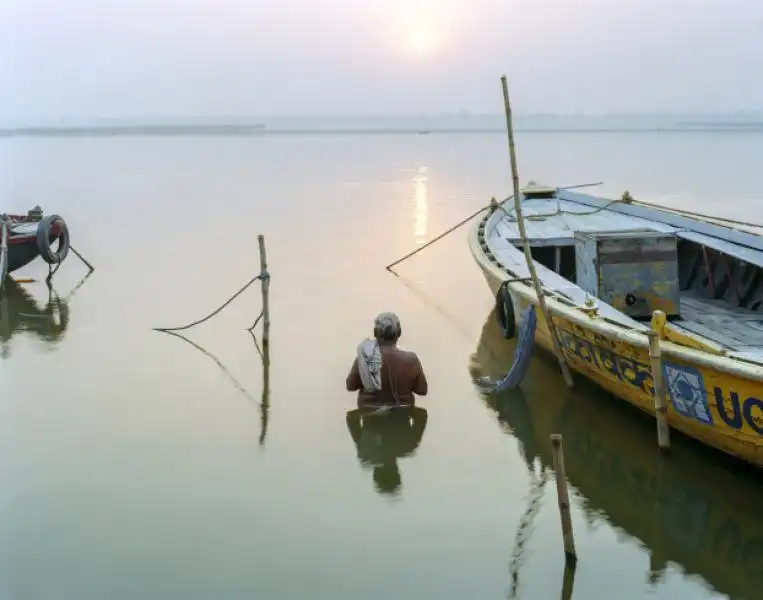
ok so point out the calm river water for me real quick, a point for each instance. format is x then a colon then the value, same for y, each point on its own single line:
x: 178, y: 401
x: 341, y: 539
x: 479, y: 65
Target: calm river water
x: 133, y: 466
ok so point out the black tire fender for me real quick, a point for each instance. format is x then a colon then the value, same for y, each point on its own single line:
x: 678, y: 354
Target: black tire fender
x: 504, y: 312
x: 44, y: 231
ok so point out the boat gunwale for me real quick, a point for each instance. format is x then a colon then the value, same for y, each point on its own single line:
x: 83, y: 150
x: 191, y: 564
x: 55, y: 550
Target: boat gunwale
x: 739, y: 237
x: 745, y: 368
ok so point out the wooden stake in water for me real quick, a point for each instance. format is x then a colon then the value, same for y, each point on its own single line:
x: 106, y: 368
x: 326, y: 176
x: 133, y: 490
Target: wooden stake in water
x: 265, y: 288
x: 3, y: 251
x: 526, y: 244
x: 660, y: 407
x: 265, y: 283
x: 4, y: 320
x: 564, y: 500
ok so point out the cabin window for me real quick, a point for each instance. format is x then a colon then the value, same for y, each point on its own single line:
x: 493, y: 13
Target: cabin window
x: 560, y: 259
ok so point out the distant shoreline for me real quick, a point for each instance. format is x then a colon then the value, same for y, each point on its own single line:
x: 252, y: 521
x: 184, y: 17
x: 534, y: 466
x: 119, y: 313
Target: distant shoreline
x: 103, y: 133
x: 258, y: 129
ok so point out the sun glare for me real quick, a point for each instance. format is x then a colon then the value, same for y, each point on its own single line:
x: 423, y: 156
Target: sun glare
x: 421, y: 42
x: 419, y: 28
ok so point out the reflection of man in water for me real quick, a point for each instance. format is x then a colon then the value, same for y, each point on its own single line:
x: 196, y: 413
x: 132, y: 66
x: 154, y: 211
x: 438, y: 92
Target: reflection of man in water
x: 381, y: 439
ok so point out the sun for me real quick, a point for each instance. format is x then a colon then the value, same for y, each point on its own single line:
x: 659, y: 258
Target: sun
x: 418, y: 29
x: 421, y: 42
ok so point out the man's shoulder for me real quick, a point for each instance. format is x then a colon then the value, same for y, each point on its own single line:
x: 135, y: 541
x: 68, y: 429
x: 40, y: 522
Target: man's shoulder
x: 408, y: 355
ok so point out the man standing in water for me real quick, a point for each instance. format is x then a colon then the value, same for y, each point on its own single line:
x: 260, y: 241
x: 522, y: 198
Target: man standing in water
x: 383, y: 374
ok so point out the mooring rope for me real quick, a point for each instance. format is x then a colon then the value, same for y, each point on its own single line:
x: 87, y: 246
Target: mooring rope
x: 82, y: 258
x: 698, y: 215
x: 262, y: 276
x: 257, y: 320
x: 442, y: 235
x: 559, y: 211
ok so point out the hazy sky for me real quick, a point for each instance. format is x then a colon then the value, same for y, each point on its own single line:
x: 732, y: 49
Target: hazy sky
x: 80, y: 59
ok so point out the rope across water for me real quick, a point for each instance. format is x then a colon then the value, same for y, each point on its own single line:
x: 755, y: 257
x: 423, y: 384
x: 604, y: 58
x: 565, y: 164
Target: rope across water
x: 262, y: 276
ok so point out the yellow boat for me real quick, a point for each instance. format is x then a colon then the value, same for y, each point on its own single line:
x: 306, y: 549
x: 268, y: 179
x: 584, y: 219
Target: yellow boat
x: 698, y: 511
x: 611, y: 270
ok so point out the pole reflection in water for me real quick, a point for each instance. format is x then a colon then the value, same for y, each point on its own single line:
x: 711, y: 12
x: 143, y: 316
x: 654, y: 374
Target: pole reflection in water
x: 568, y: 582
x: 382, y: 439
x: 264, y: 403
x: 265, y: 400
x: 698, y: 509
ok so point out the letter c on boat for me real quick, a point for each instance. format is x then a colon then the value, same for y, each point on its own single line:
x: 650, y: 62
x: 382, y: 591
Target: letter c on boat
x: 504, y: 312
x: 44, y: 232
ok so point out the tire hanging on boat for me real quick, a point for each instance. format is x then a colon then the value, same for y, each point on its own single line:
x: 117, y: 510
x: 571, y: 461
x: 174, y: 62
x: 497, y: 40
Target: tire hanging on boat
x: 504, y: 312
x: 44, y: 231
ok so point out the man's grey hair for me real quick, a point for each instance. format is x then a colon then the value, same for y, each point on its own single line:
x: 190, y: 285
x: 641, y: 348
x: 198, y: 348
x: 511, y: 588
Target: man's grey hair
x: 387, y: 327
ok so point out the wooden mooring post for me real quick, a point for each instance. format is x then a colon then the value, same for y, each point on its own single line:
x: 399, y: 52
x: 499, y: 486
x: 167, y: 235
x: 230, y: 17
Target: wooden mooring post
x: 265, y: 287
x: 3, y: 249
x: 570, y: 556
x: 660, y: 407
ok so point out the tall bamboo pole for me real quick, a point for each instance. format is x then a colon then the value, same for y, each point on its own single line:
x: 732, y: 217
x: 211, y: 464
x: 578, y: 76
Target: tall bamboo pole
x: 526, y: 244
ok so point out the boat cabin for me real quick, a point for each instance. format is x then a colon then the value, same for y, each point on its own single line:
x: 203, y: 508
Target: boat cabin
x: 706, y: 277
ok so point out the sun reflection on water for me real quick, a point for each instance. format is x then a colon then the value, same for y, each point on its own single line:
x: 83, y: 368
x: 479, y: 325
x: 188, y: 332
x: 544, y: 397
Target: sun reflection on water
x: 421, y: 211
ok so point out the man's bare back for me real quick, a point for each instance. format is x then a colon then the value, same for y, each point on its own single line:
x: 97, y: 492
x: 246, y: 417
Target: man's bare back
x: 402, y: 376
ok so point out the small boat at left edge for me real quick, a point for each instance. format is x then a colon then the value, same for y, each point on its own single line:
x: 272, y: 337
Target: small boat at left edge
x: 23, y: 238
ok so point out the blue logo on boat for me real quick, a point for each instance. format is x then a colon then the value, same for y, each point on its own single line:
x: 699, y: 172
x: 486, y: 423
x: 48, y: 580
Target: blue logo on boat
x: 686, y: 388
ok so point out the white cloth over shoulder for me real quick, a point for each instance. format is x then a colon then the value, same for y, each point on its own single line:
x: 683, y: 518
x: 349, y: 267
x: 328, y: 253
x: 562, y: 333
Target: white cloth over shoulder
x: 369, y: 365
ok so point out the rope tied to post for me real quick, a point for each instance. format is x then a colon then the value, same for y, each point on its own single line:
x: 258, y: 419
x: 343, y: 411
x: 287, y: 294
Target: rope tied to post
x: 263, y: 276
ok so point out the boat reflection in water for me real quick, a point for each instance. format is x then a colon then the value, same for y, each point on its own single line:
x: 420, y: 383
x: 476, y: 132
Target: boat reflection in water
x: 694, y: 508
x: 381, y: 440
x: 20, y: 311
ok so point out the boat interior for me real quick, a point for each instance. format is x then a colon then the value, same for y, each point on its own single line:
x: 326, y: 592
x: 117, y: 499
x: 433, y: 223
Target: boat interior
x: 706, y: 277
x: 24, y: 229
